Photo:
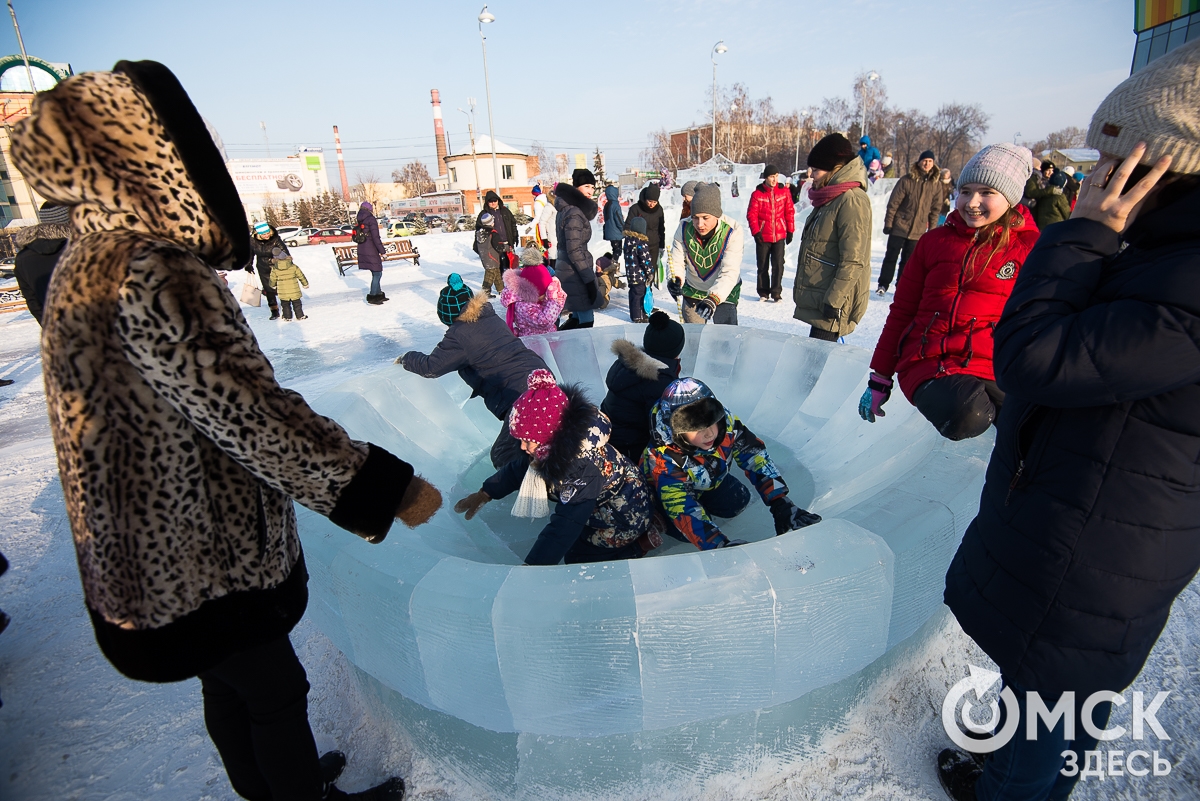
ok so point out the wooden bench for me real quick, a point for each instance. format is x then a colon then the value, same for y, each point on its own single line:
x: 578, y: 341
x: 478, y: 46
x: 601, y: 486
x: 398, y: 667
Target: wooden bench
x: 11, y: 299
x: 394, y: 250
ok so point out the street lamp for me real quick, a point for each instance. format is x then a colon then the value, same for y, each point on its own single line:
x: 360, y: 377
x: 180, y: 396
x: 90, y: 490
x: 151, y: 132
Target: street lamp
x: 802, y: 125
x: 484, y: 17
x: 718, y: 48
x: 471, y: 132
x: 1017, y: 138
x: 871, y: 76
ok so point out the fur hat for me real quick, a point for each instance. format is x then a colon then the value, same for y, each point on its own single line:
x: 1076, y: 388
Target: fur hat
x: 694, y: 408
x: 651, y: 192
x: 638, y: 224
x: 537, y: 275
x: 581, y: 177
x: 707, y: 200
x: 530, y: 255
x: 663, y: 338
x: 831, y: 152
x: 1158, y: 105
x: 1004, y: 167
x: 452, y: 299
x: 536, y: 415
x: 689, y: 189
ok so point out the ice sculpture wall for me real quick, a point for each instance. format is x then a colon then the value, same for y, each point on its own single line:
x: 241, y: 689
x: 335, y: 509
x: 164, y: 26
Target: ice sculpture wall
x: 446, y: 616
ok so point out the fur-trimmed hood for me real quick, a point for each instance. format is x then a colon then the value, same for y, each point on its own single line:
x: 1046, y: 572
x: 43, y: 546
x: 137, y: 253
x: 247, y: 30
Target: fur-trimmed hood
x: 935, y: 173
x: 475, y: 309
x: 567, y: 195
x: 128, y: 151
x: 632, y: 234
x: 584, y: 428
x: 41, y: 231
x: 645, y: 366
x: 686, y: 405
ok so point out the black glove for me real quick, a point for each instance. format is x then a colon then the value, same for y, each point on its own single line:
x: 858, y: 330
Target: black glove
x: 675, y: 287
x: 591, y: 291
x: 832, y: 312
x: 758, y: 238
x: 789, y: 237
x: 706, y: 308
x: 887, y: 231
x: 250, y: 267
x: 789, y: 517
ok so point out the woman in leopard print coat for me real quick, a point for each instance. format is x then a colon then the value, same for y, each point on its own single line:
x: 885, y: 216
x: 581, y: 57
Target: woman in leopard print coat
x: 180, y: 454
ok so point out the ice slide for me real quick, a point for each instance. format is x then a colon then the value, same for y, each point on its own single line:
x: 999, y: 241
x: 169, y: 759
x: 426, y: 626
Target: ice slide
x: 516, y: 667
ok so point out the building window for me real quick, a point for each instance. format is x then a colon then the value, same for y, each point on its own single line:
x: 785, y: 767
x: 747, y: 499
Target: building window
x: 1153, y: 43
x: 506, y: 172
x: 12, y: 201
x: 454, y: 174
x: 4, y: 174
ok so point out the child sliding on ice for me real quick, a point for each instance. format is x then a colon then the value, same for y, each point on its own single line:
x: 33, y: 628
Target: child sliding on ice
x: 693, y: 444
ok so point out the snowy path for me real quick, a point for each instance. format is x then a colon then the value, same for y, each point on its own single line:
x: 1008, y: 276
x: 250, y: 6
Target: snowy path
x: 73, y: 728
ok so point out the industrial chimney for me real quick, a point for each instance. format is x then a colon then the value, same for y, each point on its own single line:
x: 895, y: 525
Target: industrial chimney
x: 337, y: 141
x: 439, y: 133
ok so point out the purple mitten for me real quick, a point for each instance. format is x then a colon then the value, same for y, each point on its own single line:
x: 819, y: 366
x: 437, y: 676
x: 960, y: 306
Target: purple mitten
x: 878, y: 390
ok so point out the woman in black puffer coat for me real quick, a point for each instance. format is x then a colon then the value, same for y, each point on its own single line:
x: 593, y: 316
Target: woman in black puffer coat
x: 573, y: 228
x: 1089, y: 522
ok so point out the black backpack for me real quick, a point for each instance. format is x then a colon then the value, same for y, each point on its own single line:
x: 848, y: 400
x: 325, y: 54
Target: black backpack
x: 360, y: 234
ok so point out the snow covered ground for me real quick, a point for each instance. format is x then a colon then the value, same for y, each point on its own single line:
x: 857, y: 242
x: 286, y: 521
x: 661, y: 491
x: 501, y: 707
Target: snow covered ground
x: 73, y: 728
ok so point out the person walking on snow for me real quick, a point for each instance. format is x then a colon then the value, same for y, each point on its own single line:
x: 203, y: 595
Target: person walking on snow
x: 370, y: 252
x: 485, y: 353
x: 939, y: 329
x: 1087, y: 524
x: 694, y: 444
x: 649, y: 208
x: 493, y: 253
x: 912, y: 210
x: 603, y: 510
x: 771, y: 215
x: 706, y: 261
x: 267, y: 246
x: 614, y: 221
x: 39, y: 249
x: 573, y: 230
x: 639, y: 270
x: 286, y: 279
x: 868, y: 152
x: 833, y: 265
x: 533, y: 298
x: 181, y: 456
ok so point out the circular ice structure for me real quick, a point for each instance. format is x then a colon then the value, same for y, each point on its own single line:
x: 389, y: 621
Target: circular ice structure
x: 447, y: 617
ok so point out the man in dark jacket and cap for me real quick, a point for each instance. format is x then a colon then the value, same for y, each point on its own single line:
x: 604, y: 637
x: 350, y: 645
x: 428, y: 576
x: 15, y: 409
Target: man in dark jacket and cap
x: 771, y: 215
x: 913, y: 209
x: 40, y: 247
x: 506, y: 224
x: 648, y: 207
x: 478, y: 344
x: 1089, y: 520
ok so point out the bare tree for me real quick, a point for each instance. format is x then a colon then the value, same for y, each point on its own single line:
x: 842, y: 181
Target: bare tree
x: 547, y: 169
x: 367, y: 189
x: 956, y: 130
x: 1071, y: 136
x: 870, y: 96
x: 659, y: 153
x: 414, y: 177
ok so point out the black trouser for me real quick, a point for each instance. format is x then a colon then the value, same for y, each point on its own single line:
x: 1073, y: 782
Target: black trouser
x: 637, y: 301
x: 959, y: 406
x: 820, y: 333
x: 288, y: 305
x: 256, y: 712
x: 270, y: 294
x: 770, y: 283
x: 896, y: 246
x: 616, y: 244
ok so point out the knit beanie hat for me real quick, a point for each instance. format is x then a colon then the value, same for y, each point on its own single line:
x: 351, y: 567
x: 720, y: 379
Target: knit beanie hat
x: 537, y: 275
x: 707, y: 200
x: 689, y: 189
x: 1047, y: 164
x: 1004, y: 167
x: 769, y: 171
x: 582, y: 177
x: 831, y: 152
x: 487, y: 220
x: 1158, y: 105
x: 537, y: 190
x: 926, y: 154
x: 537, y: 414
x: 638, y: 224
x: 530, y: 255
x: 651, y: 192
x: 52, y: 213
x: 663, y: 338
x: 262, y: 228
x: 1059, y: 179
x: 452, y: 299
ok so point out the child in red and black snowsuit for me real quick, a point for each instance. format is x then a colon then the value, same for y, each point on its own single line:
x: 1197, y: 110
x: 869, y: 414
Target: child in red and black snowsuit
x: 938, y: 335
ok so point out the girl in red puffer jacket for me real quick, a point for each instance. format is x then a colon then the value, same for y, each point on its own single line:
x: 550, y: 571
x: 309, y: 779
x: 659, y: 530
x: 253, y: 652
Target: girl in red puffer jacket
x: 938, y: 335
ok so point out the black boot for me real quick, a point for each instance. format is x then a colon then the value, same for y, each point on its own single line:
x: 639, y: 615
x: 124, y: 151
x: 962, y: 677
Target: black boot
x: 571, y: 322
x: 331, y: 764
x: 374, y: 300
x: 274, y: 313
x: 391, y: 790
x: 383, y: 297
x: 958, y: 771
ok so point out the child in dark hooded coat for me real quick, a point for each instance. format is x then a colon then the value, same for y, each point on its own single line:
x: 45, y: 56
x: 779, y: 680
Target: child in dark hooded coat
x: 637, y: 379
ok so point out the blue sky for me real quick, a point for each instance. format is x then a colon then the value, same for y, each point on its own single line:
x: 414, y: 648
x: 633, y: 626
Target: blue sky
x: 579, y: 75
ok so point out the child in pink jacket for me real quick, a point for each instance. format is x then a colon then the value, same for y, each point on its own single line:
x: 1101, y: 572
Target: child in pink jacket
x: 534, y: 299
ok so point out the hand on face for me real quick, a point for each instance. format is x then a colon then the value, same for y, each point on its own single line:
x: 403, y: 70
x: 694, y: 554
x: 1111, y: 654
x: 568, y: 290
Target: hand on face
x: 1100, y: 197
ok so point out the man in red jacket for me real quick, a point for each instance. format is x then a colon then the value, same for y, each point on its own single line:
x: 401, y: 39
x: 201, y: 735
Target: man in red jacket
x: 772, y: 218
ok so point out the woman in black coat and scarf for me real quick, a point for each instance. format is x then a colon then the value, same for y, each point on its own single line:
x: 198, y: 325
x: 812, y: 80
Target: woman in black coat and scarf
x: 1089, y: 521
x: 574, y: 268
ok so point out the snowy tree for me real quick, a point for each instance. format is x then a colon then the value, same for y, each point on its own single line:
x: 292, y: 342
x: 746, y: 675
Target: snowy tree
x: 304, y: 213
x: 272, y: 215
x: 598, y: 168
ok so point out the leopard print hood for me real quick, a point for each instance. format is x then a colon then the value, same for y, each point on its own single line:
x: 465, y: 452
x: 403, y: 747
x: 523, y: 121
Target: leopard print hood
x: 100, y: 143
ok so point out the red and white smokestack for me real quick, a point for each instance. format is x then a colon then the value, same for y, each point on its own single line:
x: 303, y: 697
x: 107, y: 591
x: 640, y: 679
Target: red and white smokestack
x: 337, y: 141
x: 439, y: 133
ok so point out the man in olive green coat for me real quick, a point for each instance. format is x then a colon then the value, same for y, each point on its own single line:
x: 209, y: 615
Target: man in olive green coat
x: 833, y: 273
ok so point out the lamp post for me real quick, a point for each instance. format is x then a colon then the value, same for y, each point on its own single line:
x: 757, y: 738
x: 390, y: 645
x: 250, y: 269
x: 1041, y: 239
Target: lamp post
x: 871, y: 76
x: 486, y: 16
x: 471, y: 132
x: 718, y: 48
x: 1017, y: 138
x: 802, y: 125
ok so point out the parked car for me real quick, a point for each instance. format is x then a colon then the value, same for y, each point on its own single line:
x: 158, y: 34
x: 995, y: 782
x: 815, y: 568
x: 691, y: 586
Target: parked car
x: 403, y: 228
x: 466, y: 222
x: 410, y: 217
x: 300, y: 236
x: 434, y: 220
x: 284, y: 230
x: 329, y: 235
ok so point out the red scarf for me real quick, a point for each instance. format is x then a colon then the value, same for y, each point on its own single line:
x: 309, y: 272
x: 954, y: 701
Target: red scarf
x: 819, y: 197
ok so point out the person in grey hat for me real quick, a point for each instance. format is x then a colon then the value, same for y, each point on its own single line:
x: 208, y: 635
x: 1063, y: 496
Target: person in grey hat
x: 706, y: 261
x: 40, y: 247
x: 687, y: 192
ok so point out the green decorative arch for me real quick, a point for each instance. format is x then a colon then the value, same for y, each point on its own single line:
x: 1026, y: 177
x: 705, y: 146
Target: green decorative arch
x: 17, y: 60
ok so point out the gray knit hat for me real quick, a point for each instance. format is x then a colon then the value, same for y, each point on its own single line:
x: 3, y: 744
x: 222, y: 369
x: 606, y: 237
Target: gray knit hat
x: 1004, y: 167
x: 52, y: 213
x: 689, y: 189
x: 1159, y: 105
x: 707, y: 200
